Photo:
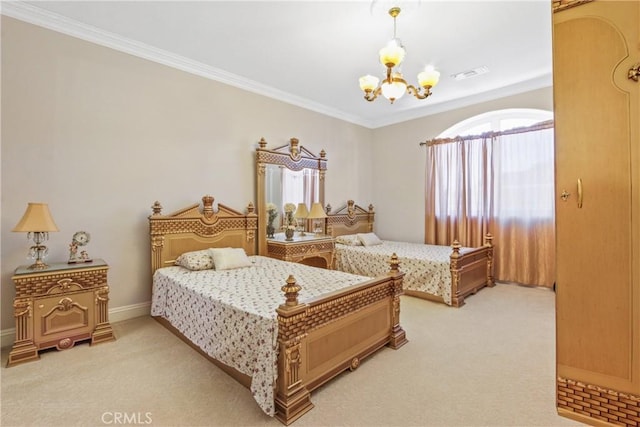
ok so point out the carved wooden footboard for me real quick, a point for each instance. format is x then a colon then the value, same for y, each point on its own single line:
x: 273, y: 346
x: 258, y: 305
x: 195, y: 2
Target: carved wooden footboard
x: 317, y: 339
x: 471, y: 269
x: 321, y: 338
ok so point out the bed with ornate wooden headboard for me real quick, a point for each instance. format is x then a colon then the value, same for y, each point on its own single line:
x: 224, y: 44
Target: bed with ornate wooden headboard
x: 316, y: 338
x: 438, y: 273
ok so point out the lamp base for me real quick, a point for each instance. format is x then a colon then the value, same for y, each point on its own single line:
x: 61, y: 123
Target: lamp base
x: 38, y: 265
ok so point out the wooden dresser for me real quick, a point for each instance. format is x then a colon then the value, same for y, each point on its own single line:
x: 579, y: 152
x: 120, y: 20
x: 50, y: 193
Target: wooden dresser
x: 58, y: 307
x: 310, y: 249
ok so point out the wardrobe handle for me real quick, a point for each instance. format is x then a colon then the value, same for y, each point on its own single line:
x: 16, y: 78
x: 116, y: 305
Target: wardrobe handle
x: 634, y: 72
x: 579, y: 193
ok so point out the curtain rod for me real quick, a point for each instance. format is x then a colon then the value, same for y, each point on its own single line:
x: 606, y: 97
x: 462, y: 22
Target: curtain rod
x: 538, y: 126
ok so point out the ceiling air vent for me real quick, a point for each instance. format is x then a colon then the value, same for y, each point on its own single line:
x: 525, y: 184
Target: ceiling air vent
x: 470, y: 73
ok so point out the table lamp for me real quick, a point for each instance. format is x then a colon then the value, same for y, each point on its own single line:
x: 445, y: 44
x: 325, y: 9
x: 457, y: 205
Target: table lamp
x: 37, y: 222
x: 317, y: 212
x: 302, y: 213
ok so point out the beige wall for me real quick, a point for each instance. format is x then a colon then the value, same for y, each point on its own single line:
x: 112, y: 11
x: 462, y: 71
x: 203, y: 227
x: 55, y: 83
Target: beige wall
x: 100, y: 135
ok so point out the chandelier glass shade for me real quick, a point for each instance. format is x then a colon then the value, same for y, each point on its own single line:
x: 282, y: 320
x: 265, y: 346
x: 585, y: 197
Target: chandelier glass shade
x: 392, y: 54
x: 394, y: 86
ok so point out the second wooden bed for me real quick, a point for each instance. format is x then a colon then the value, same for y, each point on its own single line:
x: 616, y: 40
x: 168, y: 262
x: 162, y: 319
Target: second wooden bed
x: 438, y: 273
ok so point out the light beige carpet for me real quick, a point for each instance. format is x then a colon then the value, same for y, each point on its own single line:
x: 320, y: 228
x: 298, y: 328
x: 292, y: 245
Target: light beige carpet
x: 489, y: 363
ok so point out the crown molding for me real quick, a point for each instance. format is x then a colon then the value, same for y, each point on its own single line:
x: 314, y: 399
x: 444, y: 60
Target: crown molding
x: 539, y: 82
x: 53, y: 21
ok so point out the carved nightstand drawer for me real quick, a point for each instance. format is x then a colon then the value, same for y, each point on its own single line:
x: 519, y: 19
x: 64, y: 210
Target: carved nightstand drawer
x: 59, y: 307
x: 309, y: 249
x: 63, y: 320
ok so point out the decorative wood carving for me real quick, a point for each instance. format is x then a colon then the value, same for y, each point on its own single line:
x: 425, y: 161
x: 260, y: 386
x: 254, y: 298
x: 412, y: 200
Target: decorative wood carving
x: 292, y: 156
x: 598, y: 402
x: 168, y: 232
x: 560, y: 5
x: 59, y: 307
x: 349, y: 219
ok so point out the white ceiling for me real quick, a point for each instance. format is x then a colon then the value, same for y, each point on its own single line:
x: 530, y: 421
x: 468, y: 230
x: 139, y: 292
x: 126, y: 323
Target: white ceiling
x: 311, y: 53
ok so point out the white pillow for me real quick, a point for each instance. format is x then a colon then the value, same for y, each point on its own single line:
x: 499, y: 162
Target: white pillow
x: 229, y: 258
x: 195, y: 260
x: 369, y: 239
x: 349, y: 239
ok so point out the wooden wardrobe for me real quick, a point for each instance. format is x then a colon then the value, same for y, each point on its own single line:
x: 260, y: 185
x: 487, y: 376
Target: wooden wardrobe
x: 596, y: 56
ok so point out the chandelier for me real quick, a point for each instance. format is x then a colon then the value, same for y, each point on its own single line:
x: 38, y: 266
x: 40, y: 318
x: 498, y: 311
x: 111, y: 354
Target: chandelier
x: 394, y: 86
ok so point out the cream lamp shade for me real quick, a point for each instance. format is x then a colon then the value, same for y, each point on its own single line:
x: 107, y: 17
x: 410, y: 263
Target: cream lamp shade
x: 317, y: 212
x: 36, y: 218
x: 37, y: 222
x: 301, y: 213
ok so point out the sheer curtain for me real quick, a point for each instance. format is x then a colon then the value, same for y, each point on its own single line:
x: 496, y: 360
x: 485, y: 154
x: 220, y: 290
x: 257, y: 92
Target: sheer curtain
x: 292, y: 187
x: 301, y: 186
x: 497, y: 182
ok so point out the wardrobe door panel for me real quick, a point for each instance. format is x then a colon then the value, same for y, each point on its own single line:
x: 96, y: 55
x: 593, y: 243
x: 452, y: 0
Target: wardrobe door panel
x: 594, y: 238
x: 597, y: 131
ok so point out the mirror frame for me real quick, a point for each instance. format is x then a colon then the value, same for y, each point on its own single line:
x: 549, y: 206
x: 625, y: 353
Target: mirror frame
x: 293, y: 156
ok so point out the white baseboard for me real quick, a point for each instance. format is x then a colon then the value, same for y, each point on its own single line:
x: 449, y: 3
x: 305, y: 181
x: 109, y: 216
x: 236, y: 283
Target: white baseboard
x: 117, y: 314
x: 127, y: 312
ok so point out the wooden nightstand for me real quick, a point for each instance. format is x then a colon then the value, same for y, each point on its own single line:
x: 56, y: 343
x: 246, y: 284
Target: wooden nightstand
x: 310, y: 249
x: 58, y: 307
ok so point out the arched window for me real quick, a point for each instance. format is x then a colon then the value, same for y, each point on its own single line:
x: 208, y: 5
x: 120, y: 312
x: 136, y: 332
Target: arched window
x: 497, y: 120
x: 495, y: 173
x: 519, y: 165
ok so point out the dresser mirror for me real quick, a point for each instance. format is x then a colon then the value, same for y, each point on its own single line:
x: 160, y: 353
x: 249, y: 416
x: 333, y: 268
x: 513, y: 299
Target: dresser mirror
x: 289, y: 175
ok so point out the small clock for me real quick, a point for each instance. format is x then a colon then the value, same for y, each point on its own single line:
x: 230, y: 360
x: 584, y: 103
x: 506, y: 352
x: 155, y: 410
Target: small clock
x: 79, y: 239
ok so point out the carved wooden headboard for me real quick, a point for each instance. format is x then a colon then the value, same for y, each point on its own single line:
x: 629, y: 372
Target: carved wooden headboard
x: 350, y: 219
x: 191, y: 229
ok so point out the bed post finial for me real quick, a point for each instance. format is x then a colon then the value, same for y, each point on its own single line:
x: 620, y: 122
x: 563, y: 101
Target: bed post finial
x: 488, y: 242
x: 251, y: 208
x: 207, y: 209
x: 291, y: 290
x: 456, y: 249
x: 323, y: 154
x: 157, y: 208
x: 294, y: 147
x: 397, y: 337
x: 351, y: 210
x: 395, y: 263
x: 262, y: 143
x: 327, y: 223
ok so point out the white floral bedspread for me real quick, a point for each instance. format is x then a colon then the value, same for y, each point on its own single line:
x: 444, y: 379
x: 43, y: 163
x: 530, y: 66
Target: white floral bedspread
x: 426, y: 267
x: 231, y: 314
